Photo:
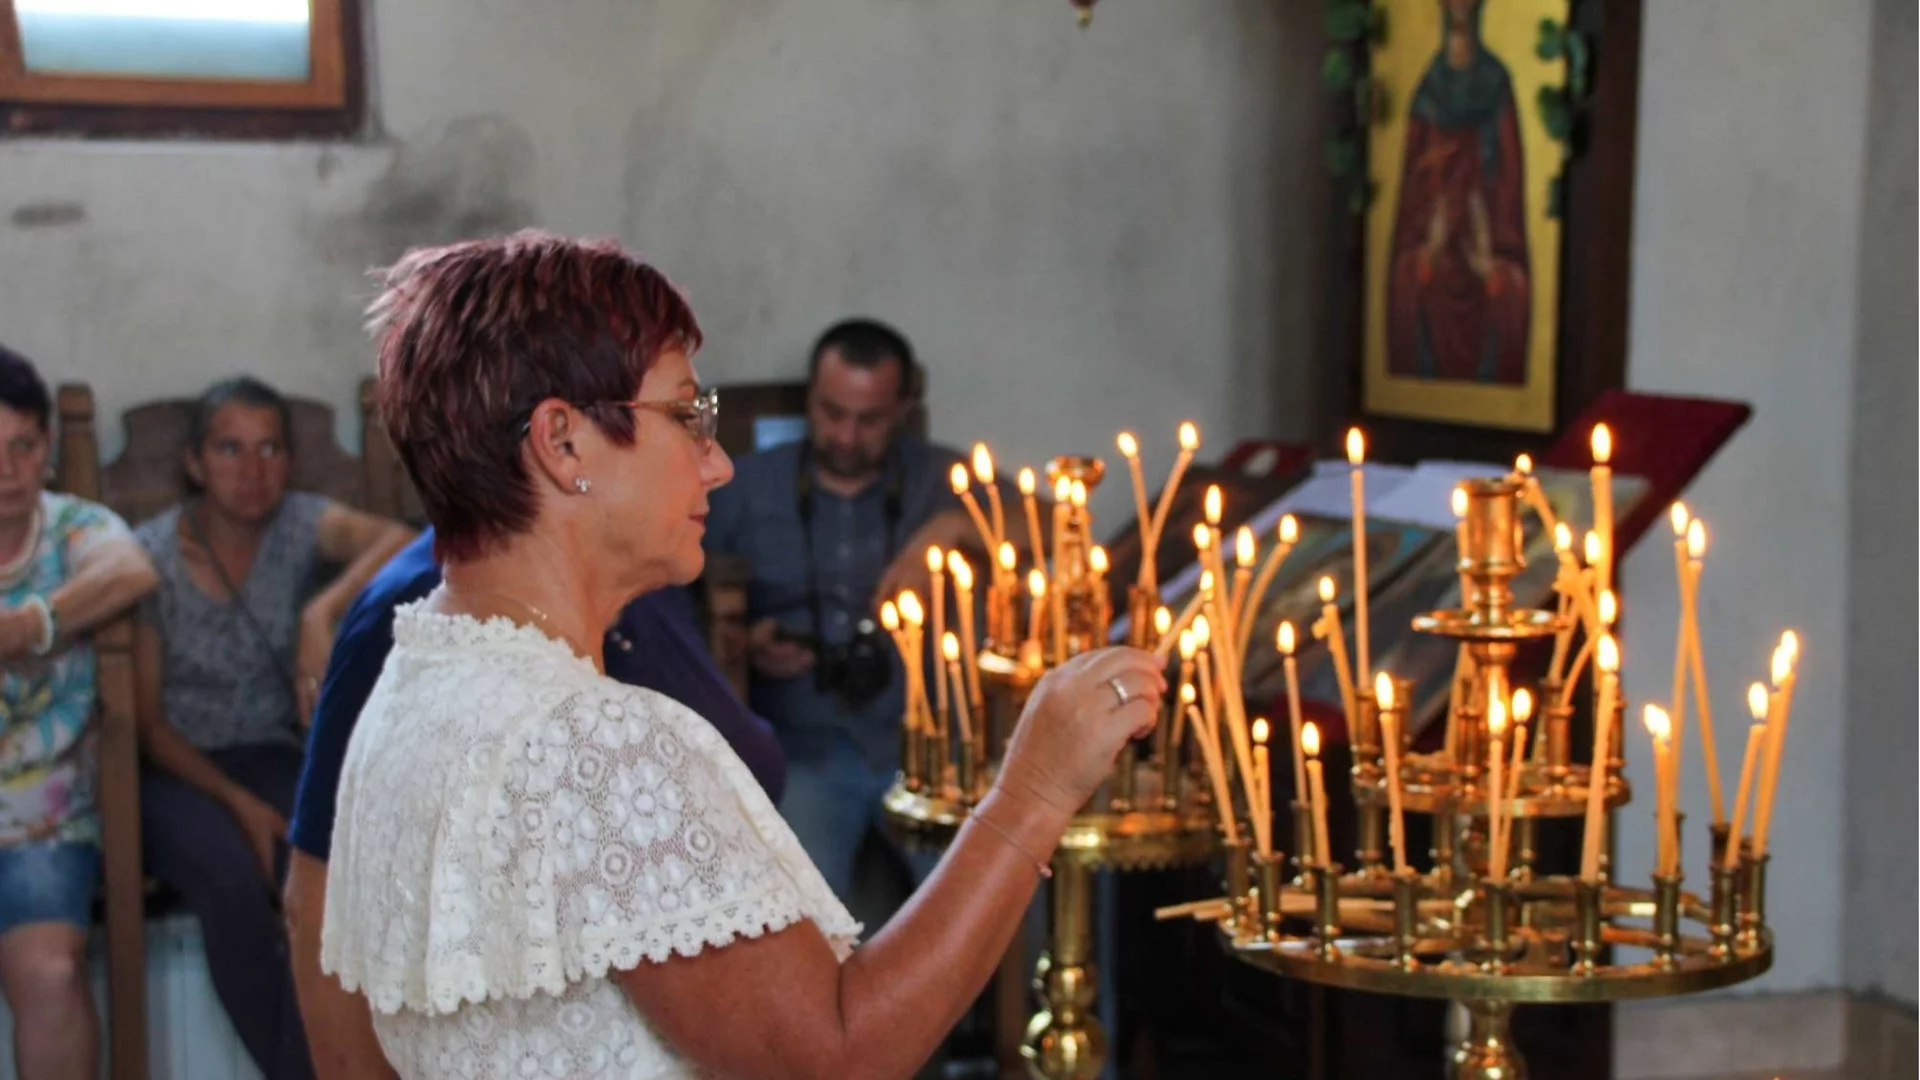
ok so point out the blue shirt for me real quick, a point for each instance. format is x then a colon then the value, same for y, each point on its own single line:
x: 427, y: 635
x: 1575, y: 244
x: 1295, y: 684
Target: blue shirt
x: 757, y: 517
x: 656, y: 644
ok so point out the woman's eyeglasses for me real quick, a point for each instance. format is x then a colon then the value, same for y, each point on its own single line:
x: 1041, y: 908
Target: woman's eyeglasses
x: 700, y: 416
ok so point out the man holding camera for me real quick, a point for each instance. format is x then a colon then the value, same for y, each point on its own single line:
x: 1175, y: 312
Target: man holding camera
x: 831, y: 525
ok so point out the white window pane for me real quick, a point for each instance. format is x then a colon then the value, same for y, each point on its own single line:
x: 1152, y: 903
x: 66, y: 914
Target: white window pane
x: 208, y: 39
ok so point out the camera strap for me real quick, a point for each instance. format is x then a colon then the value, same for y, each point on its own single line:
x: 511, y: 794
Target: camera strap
x: 895, y: 499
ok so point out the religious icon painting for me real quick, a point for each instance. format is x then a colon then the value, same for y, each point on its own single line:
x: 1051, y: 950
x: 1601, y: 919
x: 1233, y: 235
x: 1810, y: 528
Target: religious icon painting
x: 1462, y: 246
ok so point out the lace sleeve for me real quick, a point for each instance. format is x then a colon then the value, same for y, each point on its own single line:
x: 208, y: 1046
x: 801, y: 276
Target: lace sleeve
x: 615, y: 831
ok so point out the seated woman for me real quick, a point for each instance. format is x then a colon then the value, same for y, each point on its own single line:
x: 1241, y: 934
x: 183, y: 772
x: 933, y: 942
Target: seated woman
x: 540, y: 871
x: 66, y: 566
x: 232, y: 648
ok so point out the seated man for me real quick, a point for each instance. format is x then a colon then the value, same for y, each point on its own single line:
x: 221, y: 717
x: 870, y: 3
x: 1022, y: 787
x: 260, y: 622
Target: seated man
x: 656, y: 644
x: 831, y: 526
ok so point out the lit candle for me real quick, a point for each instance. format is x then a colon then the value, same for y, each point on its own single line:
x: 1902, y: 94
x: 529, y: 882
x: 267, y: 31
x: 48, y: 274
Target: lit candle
x: 1709, y: 750
x: 1317, y: 794
x: 1328, y: 627
x: 1289, y: 535
x: 950, y: 648
x: 1522, y: 712
x: 1459, y: 500
x: 1209, y: 706
x: 1285, y: 640
x: 1356, y: 455
x: 1062, y: 507
x: 1097, y: 564
x: 1130, y: 450
x: 1008, y: 584
x: 1263, y: 790
x: 913, y: 616
x: 1678, y: 515
x: 1496, y: 786
x: 1037, y: 590
x: 962, y: 574
x: 963, y: 487
x: 1243, y: 556
x: 1608, y: 661
x: 1035, y: 538
x: 1780, y: 708
x: 1390, y: 736
x: 1602, y: 478
x: 1162, y: 622
x: 1660, y: 726
x: 1756, y: 741
x: 983, y: 472
x: 936, y: 573
x: 1535, y: 497
x: 1189, y: 443
x: 1188, y: 646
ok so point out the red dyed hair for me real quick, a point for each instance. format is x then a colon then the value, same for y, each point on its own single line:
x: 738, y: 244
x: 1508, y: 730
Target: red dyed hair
x: 472, y: 336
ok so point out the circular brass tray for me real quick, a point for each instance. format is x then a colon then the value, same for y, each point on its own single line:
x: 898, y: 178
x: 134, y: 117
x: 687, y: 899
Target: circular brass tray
x: 1464, y: 624
x: 1537, y: 968
x: 1131, y: 840
x: 1427, y: 787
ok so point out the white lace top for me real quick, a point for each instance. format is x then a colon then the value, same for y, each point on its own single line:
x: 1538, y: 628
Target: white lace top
x: 513, y: 826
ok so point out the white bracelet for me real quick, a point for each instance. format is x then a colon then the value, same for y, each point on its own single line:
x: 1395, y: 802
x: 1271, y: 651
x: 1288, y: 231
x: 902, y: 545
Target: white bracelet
x: 47, y: 629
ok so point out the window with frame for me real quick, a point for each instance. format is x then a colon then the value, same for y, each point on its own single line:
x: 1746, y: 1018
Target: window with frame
x: 215, y: 67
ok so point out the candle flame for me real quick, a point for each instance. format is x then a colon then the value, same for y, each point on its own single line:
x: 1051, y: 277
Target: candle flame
x: 1782, y: 666
x: 1189, y: 436
x: 1383, y: 690
x: 1285, y: 638
x: 1260, y: 729
x: 1326, y: 589
x: 890, y: 616
x: 1243, y: 547
x: 935, y: 559
x: 1459, y: 502
x: 1129, y: 446
x: 1356, y: 446
x: 1162, y: 621
x: 1696, y: 539
x: 1496, y: 715
x: 1007, y: 555
x: 1609, y: 607
x: 1602, y: 444
x: 1790, y: 641
x: 982, y: 463
x: 910, y: 609
x: 1659, y: 724
x: 1188, y: 646
x: 1216, y: 503
x: 1027, y: 482
x: 1592, y: 547
x: 1289, y: 528
x: 1202, y: 632
x: 961, y: 570
x: 950, y: 647
x: 1036, y: 583
x: 1097, y: 559
x: 1310, y: 739
x: 1678, y: 515
x: 1523, y: 464
x: 1206, y: 581
x: 958, y: 478
x: 1757, y: 701
x: 1202, y: 537
x: 1186, y: 693
x: 1607, y: 656
x: 1522, y: 705
x: 1562, y: 537
x: 1062, y: 489
x: 1079, y: 493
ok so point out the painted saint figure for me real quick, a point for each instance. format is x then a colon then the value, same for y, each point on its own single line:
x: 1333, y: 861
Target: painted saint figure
x: 1458, y: 290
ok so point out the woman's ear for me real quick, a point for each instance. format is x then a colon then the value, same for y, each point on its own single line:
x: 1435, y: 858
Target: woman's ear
x: 190, y: 461
x: 552, y: 431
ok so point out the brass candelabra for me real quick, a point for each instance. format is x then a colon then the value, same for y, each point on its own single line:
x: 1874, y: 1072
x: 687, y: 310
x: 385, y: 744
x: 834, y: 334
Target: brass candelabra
x: 1481, y: 925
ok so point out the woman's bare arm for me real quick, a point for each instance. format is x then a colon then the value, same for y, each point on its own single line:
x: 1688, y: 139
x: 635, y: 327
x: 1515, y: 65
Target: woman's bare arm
x: 339, y: 1026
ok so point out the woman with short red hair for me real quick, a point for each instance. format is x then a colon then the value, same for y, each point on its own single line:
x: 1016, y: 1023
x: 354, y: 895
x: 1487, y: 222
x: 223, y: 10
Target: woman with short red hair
x: 540, y: 871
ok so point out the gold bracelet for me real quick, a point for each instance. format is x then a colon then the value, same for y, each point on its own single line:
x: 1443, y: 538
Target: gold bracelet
x: 1045, y: 870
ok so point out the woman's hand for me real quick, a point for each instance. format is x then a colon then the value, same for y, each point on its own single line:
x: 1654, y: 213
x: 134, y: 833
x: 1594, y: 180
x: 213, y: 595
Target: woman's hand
x: 264, y: 826
x: 314, y: 649
x: 1076, y: 721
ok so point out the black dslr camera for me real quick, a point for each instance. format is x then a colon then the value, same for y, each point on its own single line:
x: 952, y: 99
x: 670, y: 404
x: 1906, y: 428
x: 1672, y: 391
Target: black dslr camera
x: 857, y: 670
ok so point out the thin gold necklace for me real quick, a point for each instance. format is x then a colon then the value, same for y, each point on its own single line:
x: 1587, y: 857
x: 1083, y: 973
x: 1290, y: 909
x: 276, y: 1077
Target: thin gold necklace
x: 545, y: 619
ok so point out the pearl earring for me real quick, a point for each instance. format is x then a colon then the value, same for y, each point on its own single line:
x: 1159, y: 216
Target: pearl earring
x: 582, y: 485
